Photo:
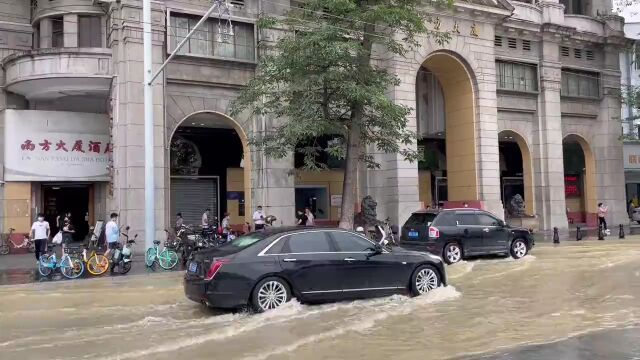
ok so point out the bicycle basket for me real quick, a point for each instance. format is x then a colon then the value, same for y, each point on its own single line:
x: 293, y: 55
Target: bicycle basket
x: 126, y: 251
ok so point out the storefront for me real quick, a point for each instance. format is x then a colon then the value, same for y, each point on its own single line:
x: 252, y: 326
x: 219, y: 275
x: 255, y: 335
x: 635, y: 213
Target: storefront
x: 632, y: 171
x: 55, y: 162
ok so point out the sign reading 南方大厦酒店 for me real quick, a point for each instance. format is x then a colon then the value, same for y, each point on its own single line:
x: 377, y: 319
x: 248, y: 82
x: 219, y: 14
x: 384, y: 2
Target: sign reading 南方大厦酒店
x: 56, y: 146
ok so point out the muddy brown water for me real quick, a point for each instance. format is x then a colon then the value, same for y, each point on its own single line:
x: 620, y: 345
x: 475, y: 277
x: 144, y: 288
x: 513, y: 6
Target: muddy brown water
x: 491, y: 305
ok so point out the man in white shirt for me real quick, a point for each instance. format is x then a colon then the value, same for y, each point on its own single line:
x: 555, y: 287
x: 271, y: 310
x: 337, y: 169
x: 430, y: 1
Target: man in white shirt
x: 226, y: 225
x: 112, y: 234
x: 205, y: 219
x: 40, y: 232
x: 258, y: 218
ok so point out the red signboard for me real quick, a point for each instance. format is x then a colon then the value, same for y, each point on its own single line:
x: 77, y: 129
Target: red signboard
x: 571, y: 186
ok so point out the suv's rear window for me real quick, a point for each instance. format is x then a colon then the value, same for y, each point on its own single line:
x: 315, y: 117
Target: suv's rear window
x: 421, y: 219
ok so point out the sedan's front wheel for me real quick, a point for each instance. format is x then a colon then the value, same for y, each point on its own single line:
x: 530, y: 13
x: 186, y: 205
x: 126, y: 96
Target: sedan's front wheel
x: 269, y: 294
x: 424, y: 279
x: 518, y: 249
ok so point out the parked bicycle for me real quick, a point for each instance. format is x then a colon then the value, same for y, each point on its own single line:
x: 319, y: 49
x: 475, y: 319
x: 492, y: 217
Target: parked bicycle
x: 183, y: 242
x: 5, y: 248
x: 166, y: 258
x: 96, y: 264
x: 70, y: 266
x: 121, y: 258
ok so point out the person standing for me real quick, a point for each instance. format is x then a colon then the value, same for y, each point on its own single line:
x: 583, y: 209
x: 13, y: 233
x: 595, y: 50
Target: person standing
x: 301, y: 219
x: 179, y: 221
x: 205, y: 219
x: 67, y: 234
x: 258, y: 218
x: 630, y: 209
x: 112, y: 234
x: 40, y: 232
x: 226, y: 227
x: 602, y: 213
x: 311, y: 220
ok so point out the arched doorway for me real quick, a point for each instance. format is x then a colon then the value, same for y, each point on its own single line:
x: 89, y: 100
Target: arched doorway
x: 210, y: 167
x: 580, y: 180
x: 446, y: 126
x: 516, y: 174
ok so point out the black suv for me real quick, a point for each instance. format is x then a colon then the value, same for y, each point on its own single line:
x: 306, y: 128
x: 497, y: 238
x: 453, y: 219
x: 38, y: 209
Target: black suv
x: 457, y: 233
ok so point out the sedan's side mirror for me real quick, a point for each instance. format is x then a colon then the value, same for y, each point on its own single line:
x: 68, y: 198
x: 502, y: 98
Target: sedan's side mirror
x: 375, y: 250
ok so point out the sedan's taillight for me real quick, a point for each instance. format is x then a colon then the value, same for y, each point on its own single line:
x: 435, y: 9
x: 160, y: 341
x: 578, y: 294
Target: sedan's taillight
x: 434, y: 233
x: 215, y: 267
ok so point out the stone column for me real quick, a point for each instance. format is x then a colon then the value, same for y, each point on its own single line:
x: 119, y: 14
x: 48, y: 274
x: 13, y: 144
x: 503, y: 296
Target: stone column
x: 128, y: 124
x: 46, y: 30
x: 70, y: 30
x: 548, y: 161
x: 607, y: 146
x: 273, y: 187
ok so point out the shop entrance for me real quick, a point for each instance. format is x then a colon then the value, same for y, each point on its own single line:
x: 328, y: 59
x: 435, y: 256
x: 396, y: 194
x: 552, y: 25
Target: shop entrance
x: 59, y: 199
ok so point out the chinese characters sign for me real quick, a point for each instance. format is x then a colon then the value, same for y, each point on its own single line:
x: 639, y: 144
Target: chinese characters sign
x: 631, y: 156
x: 571, y: 186
x: 56, y: 146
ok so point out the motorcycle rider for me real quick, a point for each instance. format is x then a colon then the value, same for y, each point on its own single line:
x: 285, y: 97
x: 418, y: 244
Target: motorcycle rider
x: 226, y: 227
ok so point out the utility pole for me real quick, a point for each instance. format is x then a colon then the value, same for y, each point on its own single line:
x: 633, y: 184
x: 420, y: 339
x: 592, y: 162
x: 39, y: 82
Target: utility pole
x: 149, y: 178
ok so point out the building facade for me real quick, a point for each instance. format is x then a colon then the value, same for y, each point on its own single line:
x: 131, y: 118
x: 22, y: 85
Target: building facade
x: 518, y: 113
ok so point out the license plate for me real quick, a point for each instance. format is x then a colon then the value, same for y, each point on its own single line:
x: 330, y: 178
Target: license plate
x: 413, y: 234
x: 193, y: 267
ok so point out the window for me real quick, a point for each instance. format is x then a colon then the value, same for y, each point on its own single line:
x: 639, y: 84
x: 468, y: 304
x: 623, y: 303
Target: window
x: 517, y: 76
x: 512, y: 43
x: 467, y: 218
x: 89, y: 31
x: 346, y: 242
x: 590, y: 55
x: 564, y: 51
x: 526, y: 45
x: 497, y: 41
x: 486, y: 220
x: 208, y: 40
x: 577, y: 53
x: 57, y: 32
x: 421, y: 219
x: 580, y: 83
x: 446, y: 219
x: 308, y: 242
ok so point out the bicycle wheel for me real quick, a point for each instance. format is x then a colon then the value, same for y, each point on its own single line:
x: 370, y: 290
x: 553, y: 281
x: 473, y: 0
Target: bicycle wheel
x: 150, y: 256
x: 97, y: 264
x: 44, y: 265
x: 71, y: 268
x: 168, y: 259
x: 4, y: 249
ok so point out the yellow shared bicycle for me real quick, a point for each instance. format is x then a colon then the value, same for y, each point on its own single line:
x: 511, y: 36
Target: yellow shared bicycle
x: 96, y: 264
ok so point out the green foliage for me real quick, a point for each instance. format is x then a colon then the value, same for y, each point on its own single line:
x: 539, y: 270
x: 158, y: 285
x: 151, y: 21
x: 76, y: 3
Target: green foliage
x: 323, y: 68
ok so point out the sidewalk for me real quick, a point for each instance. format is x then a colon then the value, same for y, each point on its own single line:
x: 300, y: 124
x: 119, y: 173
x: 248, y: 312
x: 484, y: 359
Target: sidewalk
x: 21, y: 269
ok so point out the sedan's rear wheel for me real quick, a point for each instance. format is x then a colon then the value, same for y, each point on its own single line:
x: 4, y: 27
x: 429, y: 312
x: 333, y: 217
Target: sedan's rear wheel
x: 518, y: 249
x: 424, y: 279
x: 269, y: 294
x: 452, y: 253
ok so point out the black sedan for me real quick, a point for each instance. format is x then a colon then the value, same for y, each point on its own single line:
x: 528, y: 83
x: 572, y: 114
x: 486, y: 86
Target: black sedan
x: 266, y: 269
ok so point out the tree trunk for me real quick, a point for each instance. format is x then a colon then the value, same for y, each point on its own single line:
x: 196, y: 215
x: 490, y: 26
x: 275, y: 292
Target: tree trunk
x: 350, y: 174
x: 353, y: 138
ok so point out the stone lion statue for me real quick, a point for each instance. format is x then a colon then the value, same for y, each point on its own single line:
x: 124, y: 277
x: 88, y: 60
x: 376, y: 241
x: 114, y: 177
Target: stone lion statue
x: 367, y: 216
x: 516, y: 205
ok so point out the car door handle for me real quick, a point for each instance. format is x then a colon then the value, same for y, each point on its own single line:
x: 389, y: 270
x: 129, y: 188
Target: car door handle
x: 485, y: 229
x: 349, y: 259
x: 289, y: 260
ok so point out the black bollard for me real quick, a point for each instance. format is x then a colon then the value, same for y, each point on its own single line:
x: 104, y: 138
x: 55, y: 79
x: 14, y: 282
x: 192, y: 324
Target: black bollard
x: 600, y: 233
x: 556, y: 237
x: 578, y: 233
x: 621, y: 234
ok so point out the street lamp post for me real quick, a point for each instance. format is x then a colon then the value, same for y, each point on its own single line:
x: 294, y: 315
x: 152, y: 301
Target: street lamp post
x: 149, y: 179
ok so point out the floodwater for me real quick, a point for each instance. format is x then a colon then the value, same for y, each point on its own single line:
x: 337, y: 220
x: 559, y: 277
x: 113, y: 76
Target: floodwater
x: 493, y: 308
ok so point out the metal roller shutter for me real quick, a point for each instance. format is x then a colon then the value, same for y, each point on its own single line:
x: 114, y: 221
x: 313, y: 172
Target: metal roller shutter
x: 192, y: 196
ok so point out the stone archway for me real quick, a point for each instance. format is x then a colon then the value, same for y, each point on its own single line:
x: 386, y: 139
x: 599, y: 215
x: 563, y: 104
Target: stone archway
x: 457, y: 83
x: 214, y: 119
x: 527, y: 168
x: 589, y: 195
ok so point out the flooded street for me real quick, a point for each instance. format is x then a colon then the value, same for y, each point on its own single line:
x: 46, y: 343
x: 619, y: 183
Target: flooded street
x: 492, y: 307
